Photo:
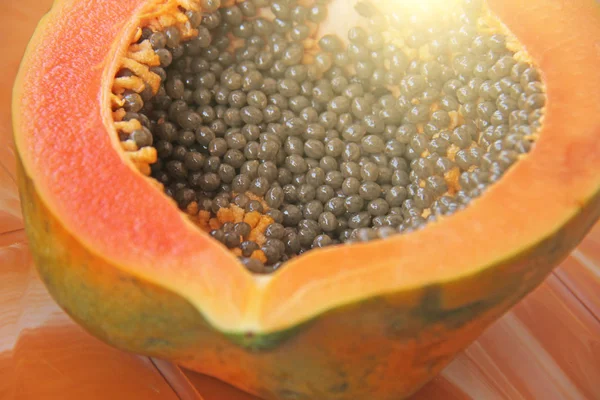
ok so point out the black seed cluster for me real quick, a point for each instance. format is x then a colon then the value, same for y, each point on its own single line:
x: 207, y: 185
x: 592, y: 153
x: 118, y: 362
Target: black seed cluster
x: 362, y: 142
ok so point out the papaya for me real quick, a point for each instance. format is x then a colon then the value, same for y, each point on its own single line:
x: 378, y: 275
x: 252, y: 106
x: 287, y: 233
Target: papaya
x: 307, y: 199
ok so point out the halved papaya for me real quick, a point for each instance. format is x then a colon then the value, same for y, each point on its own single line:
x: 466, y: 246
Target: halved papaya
x: 380, y: 311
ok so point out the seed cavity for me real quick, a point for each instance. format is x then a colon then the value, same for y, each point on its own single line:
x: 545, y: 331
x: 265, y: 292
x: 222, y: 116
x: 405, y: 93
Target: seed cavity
x: 277, y: 139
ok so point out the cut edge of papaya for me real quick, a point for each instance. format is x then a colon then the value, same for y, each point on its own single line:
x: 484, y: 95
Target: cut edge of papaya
x: 90, y: 190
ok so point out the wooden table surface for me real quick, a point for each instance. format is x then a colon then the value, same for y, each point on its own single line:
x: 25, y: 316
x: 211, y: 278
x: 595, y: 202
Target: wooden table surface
x: 547, y: 347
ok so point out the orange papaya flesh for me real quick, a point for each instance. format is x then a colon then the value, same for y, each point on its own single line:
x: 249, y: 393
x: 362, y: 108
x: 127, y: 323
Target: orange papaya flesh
x: 105, y: 221
x: 90, y: 234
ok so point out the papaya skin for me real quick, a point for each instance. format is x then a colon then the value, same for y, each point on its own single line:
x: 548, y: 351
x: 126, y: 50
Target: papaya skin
x: 376, y: 340
x: 385, y: 347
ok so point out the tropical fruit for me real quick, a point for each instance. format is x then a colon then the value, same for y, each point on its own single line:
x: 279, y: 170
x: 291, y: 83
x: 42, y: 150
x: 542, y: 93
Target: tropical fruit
x: 307, y: 199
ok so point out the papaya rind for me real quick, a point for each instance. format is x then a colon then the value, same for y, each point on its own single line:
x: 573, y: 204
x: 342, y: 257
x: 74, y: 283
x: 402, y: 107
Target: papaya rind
x: 384, y: 347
